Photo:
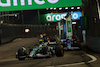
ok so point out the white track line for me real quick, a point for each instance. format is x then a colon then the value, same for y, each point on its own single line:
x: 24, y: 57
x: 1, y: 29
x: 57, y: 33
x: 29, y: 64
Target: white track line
x: 92, y: 57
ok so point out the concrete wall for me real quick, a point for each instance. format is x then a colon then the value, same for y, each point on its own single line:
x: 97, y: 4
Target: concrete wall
x: 8, y: 32
x: 93, y: 43
x: 93, y: 29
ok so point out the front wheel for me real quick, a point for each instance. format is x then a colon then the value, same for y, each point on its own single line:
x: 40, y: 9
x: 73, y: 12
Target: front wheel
x: 21, y: 55
x: 59, y: 51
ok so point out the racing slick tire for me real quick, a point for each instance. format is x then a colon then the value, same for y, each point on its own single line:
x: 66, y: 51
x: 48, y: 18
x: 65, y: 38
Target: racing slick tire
x: 20, y: 53
x: 30, y: 50
x: 59, y: 51
x: 45, y: 50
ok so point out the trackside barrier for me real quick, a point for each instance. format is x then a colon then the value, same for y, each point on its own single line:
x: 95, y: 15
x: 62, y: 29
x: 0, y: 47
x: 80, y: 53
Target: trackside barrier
x: 8, y: 32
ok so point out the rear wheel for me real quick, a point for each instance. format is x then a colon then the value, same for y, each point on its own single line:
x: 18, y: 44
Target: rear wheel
x: 59, y: 51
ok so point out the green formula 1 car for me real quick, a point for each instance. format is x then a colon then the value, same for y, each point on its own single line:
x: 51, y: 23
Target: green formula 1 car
x: 41, y: 50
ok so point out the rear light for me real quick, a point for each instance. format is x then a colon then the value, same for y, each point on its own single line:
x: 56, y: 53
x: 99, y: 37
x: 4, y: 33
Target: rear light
x: 68, y: 41
x: 48, y: 40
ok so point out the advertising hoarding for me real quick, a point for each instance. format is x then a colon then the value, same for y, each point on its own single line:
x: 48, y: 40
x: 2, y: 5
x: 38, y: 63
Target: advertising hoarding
x: 69, y: 26
x: 58, y: 16
x: 64, y: 28
x: 12, y: 5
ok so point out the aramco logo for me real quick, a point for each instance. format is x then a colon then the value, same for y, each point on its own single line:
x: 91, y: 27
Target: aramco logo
x: 55, y: 17
x: 22, y: 2
x: 58, y: 17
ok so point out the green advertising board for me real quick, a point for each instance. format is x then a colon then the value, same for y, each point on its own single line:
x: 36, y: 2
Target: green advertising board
x: 12, y: 5
x: 54, y: 17
x: 51, y: 17
x: 69, y: 26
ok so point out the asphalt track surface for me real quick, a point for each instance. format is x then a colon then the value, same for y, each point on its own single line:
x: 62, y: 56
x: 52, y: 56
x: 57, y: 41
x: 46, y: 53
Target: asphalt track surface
x: 7, y: 56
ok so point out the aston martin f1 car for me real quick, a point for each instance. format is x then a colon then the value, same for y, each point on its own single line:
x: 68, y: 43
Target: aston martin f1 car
x: 40, y: 50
